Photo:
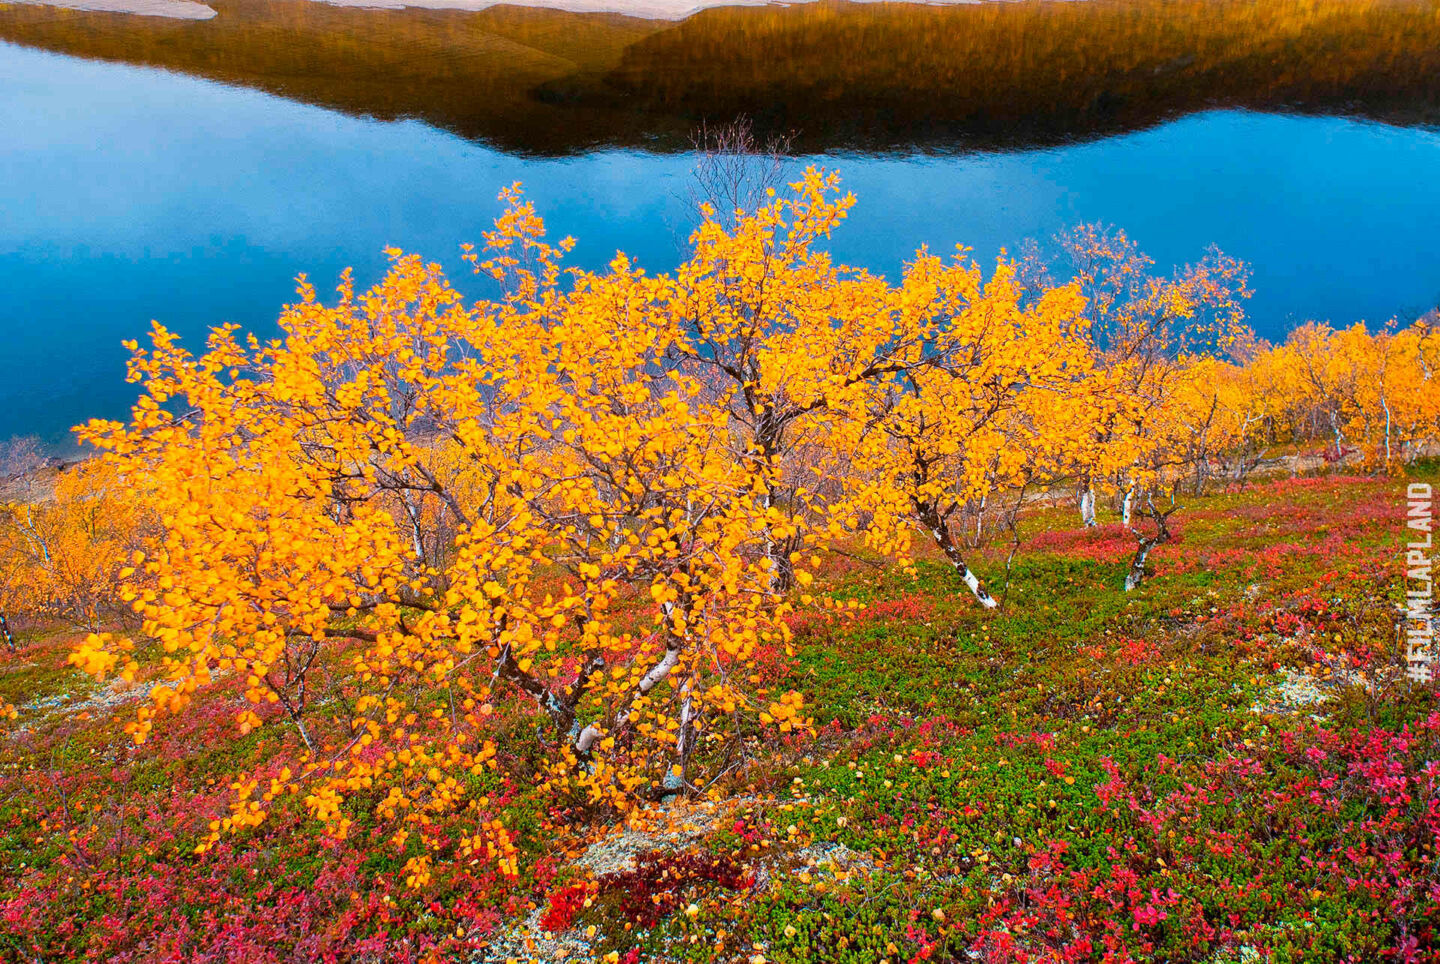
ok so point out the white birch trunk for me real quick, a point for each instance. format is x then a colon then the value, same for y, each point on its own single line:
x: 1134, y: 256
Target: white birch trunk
x: 676, y: 781
x: 973, y: 581
x: 591, y: 733
x: 947, y: 545
x: 1136, y: 575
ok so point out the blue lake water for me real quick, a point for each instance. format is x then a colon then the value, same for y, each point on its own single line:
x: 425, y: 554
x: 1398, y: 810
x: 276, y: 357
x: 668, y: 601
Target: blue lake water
x: 131, y: 193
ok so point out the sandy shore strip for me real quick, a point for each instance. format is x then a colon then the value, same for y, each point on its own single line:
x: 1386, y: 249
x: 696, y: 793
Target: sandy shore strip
x: 174, y: 9
x: 647, y: 9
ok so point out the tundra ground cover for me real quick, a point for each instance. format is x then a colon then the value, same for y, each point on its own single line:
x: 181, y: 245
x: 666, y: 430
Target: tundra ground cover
x: 408, y: 608
x: 1225, y: 764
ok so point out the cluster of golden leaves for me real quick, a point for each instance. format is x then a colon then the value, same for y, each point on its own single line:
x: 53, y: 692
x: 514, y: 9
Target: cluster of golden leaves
x: 458, y: 505
x: 63, y: 543
x: 1356, y: 389
x: 593, y: 498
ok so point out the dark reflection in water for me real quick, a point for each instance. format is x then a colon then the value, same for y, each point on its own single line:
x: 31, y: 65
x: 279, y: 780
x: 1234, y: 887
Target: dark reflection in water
x: 843, y: 77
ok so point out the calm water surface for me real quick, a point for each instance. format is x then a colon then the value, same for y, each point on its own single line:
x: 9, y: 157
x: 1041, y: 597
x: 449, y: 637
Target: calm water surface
x: 194, y: 194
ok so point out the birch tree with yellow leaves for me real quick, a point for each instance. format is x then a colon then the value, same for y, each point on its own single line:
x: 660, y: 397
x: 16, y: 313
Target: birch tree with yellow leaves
x: 1143, y: 333
x: 790, y: 340
x: 1373, y: 391
x: 602, y: 566
x: 943, y: 439
x: 62, y: 544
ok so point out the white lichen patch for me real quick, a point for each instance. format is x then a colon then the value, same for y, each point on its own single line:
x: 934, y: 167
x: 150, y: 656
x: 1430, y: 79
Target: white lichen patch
x: 528, y: 941
x: 101, y: 701
x: 677, y: 828
x: 1301, y: 694
x: 1295, y: 693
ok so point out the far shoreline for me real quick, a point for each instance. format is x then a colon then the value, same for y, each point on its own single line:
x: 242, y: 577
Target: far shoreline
x: 641, y: 9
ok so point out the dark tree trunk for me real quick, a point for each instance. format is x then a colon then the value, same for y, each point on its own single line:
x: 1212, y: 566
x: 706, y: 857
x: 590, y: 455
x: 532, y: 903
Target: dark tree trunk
x: 1145, y: 542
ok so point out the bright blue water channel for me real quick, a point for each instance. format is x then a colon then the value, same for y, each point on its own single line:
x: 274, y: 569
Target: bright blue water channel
x: 131, y: 193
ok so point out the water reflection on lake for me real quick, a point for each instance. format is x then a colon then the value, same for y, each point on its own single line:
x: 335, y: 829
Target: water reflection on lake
x: 840, y: 76
x: 128, y: 193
